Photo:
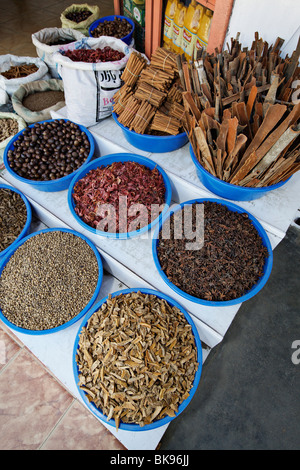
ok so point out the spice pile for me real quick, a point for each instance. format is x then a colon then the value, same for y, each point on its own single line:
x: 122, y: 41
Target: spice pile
x: 118, y: 28
x: 143, y: 187
x: 137, y: 358
x: 239, y: 117
x: 20, y: 71
x: 230, y: 263
x: 13, y: 217
x: 150, y: 101
x: 8, y: 127
x: 60, y: 41
x: 49, y: 150
x: 107, y: 54
x: 78, y: 15
x: 40, y: 100
x: 49, y: 279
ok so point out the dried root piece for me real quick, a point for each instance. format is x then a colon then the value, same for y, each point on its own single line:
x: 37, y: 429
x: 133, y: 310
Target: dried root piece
x: 137, y: 358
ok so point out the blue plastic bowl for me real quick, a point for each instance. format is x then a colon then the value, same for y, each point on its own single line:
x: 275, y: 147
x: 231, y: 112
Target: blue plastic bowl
x: 5, y: 260
x: 108, y: 160
x: 153, y: 143
x: 161, y: 422
x: 127, y: 39
x: 227, y: 190
x: 252, y: 292
x: 26, y: 228
x: 52, y: 185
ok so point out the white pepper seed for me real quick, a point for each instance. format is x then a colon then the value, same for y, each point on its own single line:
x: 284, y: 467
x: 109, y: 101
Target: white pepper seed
x: 48, y: 280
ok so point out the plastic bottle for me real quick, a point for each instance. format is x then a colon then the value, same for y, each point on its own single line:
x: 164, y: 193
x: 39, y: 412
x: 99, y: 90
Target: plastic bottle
x: 168, y: 23
x: 204, y: 30
x: 191, y: 24
x: 178, y: 27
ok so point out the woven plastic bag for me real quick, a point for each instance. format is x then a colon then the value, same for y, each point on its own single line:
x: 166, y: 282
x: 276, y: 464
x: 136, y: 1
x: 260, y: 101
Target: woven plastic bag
x: 25, y: 90
x: 44, y: 37
x: 9, y: 60
x: 83, y: 26
x: 89, y: 87
x: 3, y: 143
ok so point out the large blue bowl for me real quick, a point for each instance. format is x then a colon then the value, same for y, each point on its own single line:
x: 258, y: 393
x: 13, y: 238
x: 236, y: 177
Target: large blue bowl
x: 152, y: 143
x: 127, y: 39
x: 59, y: 184
x: 6, y: 259
x: 26, y: 228
x: 252, y: 292
x: 161, y: 422
x: 227, y: 190
x: 108, y: 160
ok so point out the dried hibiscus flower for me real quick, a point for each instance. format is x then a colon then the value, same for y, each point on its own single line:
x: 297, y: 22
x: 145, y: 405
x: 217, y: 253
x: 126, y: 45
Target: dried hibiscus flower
x: 121, y: 197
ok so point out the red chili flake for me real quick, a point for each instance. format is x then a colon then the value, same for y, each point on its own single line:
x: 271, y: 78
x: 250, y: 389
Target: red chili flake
x: 107, y: 54
x: 106, y: 184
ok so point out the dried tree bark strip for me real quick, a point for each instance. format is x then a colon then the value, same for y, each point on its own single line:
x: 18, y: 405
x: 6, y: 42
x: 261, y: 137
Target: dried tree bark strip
x: 232, y: 134
x: 244, y: 170
x: 271, y: 95
x: 293, y: 117
x: 264, y: 151
x: 204, y: 149
x: 188, y: 100
x: 286, y: 138
x: 274, y: 114
x: 240, y: 141
x: 251, y: 101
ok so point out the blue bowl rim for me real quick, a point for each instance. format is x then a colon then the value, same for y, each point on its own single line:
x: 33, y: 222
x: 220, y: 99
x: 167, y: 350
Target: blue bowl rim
x: 233, y: 187
x: 28, y: 220
x: 50, y: 183
x: 109, y: 18
x: 80, y: 314
x: 183, y: 405
x: 253, y: 291
x: 105, y: 161
x: 163, y: 138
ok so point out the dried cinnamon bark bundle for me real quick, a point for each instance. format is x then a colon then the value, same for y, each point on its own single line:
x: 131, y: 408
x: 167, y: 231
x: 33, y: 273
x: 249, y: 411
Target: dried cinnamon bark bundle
x: 149, y: 88
x: 230, y: 263
x: 241, y: 122
x: 136, y: 63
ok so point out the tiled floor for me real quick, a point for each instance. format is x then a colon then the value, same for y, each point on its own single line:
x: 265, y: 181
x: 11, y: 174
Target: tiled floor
x: 36, y: 411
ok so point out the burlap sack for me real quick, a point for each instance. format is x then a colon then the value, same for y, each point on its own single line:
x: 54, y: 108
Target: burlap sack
x: 83, y: 26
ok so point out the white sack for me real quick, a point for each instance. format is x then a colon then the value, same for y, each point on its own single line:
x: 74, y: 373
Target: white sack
x: 41, y: 41
x: 89, y: 87
x: 9, y: 60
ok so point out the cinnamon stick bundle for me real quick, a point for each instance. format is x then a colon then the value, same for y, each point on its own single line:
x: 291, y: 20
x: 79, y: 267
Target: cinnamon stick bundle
x: 165, y: 124
x: 156, y: 78
x: 136, y: 63
x: 142, y: 118
x: 146, y: 92
x: 128, y: 114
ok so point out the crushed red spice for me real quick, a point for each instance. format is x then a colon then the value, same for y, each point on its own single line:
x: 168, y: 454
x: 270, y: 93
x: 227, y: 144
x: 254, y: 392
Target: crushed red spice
x: 106, y: 184
x: 107, y: 54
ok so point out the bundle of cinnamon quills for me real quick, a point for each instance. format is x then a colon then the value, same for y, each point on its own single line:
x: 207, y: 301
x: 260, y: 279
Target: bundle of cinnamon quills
x: 150, y: 100
x: 242, y: 112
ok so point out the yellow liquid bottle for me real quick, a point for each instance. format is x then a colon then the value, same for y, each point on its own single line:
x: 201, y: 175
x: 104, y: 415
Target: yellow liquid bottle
x: 178, y: 27
x: 191, y: 25
x: 204, y: 30
x: 168, y: 23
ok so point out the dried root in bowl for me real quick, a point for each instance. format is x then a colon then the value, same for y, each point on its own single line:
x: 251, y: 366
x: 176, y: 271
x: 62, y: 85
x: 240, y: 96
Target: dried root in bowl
x: 137, y: 358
